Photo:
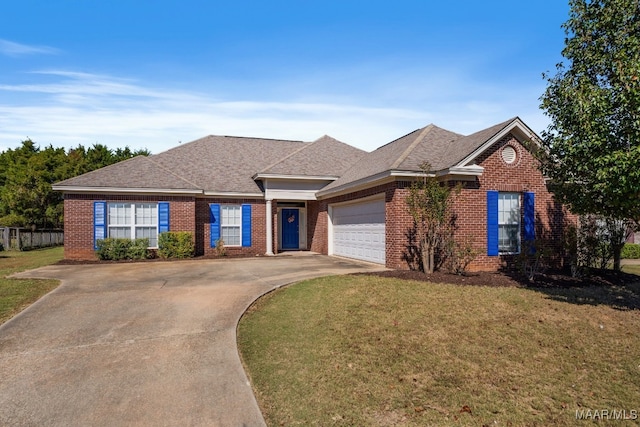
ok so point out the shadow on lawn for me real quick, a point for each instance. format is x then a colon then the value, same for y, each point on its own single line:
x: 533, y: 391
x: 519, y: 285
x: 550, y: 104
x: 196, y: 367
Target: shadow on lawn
x: 625, y: 297
x: 616, y: 289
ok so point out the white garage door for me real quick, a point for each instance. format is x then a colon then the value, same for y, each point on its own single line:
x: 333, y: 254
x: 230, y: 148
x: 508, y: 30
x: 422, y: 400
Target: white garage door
x: 358, y: 231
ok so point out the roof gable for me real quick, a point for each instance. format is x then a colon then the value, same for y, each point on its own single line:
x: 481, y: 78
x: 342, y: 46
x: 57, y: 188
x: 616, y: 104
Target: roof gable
x: 377, y: 161
x: 407, y: 153
x: 325, y: 156
x: 443, y: 150
x: 477, y: 143
x: 430, y: 148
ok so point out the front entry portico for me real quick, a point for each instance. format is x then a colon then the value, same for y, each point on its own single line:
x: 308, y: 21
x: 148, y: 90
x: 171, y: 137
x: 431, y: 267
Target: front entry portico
x: 286, y: 209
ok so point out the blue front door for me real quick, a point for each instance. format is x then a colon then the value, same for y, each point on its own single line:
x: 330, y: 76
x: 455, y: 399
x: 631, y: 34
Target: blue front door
x: 290, y: 229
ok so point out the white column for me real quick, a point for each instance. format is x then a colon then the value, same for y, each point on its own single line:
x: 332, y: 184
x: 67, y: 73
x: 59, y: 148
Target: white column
x: 269, y: 229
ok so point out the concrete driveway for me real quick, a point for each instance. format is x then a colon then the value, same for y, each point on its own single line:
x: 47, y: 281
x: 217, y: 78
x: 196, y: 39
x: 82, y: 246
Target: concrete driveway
x: 141, y: 344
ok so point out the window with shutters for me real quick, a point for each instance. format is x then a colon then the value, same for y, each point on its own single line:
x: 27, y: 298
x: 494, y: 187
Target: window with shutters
x: 133, y: 221
x: 509, y: 222
x: 231, y: 225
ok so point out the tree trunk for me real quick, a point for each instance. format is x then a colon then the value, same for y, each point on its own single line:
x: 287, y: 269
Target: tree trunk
x: 431, y: 259
x: 424, y: 258
x: 617, y: 255
x: 426, y: 254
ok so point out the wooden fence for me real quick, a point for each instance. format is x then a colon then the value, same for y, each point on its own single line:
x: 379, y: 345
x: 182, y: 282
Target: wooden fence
x: 22, y: 239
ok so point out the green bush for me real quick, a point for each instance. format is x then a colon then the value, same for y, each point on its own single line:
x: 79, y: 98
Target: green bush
x: 119, y: 249
x: 105, y: 248
x: 176, y: 244
x: 631, y: 251
x: 138, y: 249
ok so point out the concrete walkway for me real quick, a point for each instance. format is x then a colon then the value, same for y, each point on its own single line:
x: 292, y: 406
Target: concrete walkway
x: 148, y: 344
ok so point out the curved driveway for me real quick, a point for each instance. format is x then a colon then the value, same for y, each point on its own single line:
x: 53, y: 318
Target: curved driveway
x: 141, y: 344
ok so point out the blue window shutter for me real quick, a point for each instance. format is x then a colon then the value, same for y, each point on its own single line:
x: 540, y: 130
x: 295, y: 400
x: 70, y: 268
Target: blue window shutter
x: 529, y: 216
x: 214, y: 222
x: 99, y: 222
x: 163, y: 217
x: 492, y: 223
x: 246, y: 225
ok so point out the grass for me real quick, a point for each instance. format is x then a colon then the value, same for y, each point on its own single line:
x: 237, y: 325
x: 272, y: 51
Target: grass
x: 367, y: 351
x: 17, y: 294
x: 631, y: 268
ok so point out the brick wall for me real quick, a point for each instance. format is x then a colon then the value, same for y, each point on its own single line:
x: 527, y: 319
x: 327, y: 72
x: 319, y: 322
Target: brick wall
x: 258, y: 227
x: 78, y: 219
x: 399, y: 229
x: 317, y: 226
x: 78, y: 228
x: 519, y: 177
x: 186, y: 214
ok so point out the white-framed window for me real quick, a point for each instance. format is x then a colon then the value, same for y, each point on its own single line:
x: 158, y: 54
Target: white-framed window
x: 509, y: 222
x: 133, y: 221
x: 231, y: 225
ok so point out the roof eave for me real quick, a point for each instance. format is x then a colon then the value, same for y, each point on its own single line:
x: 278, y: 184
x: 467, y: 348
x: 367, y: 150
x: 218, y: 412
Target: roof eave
x: 123, y: 190
x: 517, y: 127
x: 355, y: 185
x: 470, y: 171
x: 411, y: 174
x: 233, y: 194
x: 370, y: 181
x: 297, y: 177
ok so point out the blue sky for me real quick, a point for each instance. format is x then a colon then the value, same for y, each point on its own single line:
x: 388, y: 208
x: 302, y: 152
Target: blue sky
x: 144, y: 73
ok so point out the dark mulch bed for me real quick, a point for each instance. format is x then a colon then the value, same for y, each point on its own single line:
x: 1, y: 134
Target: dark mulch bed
x: 556, y: 279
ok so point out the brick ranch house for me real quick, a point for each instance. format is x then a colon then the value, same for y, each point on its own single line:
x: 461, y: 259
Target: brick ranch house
x: 262, y: 196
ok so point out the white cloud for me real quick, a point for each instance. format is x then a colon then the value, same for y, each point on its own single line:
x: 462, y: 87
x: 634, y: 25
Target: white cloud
x: 10, y: 48
x: 81, y: 108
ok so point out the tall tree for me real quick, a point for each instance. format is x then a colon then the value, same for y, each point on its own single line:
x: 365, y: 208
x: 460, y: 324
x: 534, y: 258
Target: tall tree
x: 27, y: 197
x: 27, y: 172
x: 591, y: 149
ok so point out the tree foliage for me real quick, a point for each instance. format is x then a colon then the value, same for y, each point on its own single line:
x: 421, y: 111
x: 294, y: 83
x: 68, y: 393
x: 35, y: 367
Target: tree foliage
x: 429, y: 203
x: 27, y: 172
x: 591, y: 149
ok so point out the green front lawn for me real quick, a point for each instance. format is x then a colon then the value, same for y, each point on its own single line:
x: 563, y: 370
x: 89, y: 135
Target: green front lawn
x: 17, y: 294
x: 631, y: 268
x: 365, y: 350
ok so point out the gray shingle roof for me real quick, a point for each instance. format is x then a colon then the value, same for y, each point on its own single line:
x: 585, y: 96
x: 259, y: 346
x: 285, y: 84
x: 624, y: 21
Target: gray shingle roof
x: 406, y: 154
x: 223, y: 164
x: 138, y: 172
x: 468, y: 144
x: 439, y: 147
x: 228, y: 164
x: 325, y: 156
